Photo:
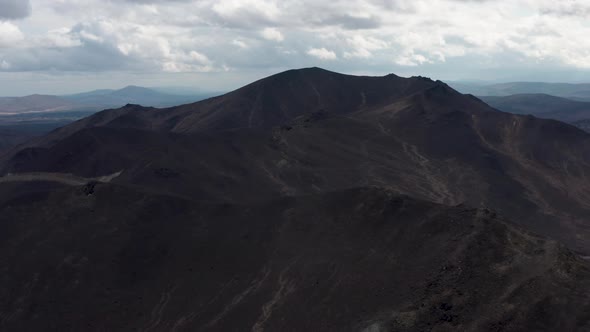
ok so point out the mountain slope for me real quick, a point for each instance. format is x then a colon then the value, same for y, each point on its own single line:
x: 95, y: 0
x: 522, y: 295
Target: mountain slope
x: 582, y: 124
x: 345, y: 261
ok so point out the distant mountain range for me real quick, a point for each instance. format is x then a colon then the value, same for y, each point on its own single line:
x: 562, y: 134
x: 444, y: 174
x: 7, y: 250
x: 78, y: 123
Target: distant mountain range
x: 559, y: 101
x: 133, y: 95
x: 22, y: 118
x: 566, y: 90
x: 94, y: 100
x: 542, y: 106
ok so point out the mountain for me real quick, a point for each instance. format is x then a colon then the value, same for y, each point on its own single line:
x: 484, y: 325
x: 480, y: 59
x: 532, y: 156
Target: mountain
x: 306, y: 200
x: 133, y: 95
x: 579, y: 91
x: 543, y: 106
x: 314, y: 131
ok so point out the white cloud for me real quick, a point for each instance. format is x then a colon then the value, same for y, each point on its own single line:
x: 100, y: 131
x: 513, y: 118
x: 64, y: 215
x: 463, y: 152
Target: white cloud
x: 378, y: 36
x: 272, y: 34
x: 59, y: 38
x: 242, y: 13
x: 322, y: 54
x: 239, y: 43
x: 199, y: 58
x: 4, y: 65
x: 412, y: 59
x: 10, y: 34
x: 363, y: 46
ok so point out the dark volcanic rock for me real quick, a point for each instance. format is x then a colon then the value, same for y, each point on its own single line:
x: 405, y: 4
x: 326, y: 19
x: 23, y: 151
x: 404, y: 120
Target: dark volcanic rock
x: 166, y: 172
x: 346, y: 261
x: 88, y: 189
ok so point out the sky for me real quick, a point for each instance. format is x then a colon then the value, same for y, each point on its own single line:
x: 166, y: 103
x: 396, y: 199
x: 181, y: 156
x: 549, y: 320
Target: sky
x: 68, y: 46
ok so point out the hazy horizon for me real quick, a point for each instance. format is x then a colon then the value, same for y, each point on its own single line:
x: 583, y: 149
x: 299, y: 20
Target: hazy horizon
x: 91, y: 85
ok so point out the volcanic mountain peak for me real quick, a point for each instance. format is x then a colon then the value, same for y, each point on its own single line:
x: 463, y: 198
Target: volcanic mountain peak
x: 278, y: 99
x: 281, y: 98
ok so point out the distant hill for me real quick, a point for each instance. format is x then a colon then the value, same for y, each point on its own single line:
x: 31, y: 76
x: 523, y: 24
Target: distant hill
x: 95, y: 100
x: 572, y: 91
x: 544, y: 106
x: 133, y: 95
x: 22, y: 118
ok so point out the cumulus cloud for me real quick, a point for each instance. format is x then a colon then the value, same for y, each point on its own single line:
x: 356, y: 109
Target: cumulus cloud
x: 272, y: 34
x: 10, y: 35
x: 153, y: 1
x: 351, y: 22
x: 363, y: 47
x: 239, y: 43
x: 242, y: 13
x: 322, y: 53
x: 14, y: 9
x: 163, y: 36
x: 412, y: 59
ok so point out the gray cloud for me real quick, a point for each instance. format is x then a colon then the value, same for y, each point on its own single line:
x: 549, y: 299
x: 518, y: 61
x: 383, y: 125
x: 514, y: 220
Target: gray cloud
x: 458, y: 40
x: 567, y: 9
x: 14, y: 9
x: 350, y: 22
x: 90, y: 57
x: 154, y: 1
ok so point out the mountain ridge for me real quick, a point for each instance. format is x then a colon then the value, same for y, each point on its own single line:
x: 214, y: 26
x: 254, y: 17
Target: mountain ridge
x: 543, y: 106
